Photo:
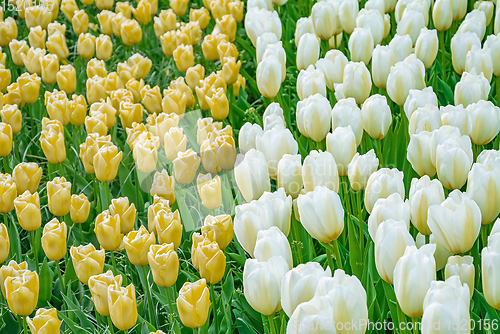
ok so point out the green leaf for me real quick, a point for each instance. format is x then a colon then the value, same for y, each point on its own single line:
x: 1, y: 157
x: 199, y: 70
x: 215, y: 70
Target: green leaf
x: 228, y: 288
x: 71, y: 324
x: 82, y: 317
x: 15, y: 242
x: 45, y: 284
x: 355, y: 257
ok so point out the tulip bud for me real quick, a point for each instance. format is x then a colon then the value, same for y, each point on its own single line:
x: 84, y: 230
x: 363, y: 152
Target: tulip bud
x: 341, y: 143
x: 151, y: 99
x: 87, y: 261
x: 104, y: 18
x: 283, y: 143
x: 106, y: 162
x: 314, y: 107
x: 5, y: 78
x: 130, y: 32
x: 325, y: 18
x: 348, y: 11
x: 490, y: 267
x: 80, y: 22
x: 272, y: 242
x: 27, y: 210
x: 194, y: 75
x: 463, y: 267
x: 219, y: 104
x: 222, y: 226
x: 320, y: 169
x: 66, y: 78
x: 485, y: 121
x: 377, y: 116
x: 79, y: 209
x: 31, y: 60
x: 418, y: 99
x: 168, y: 226
x: 453, y: 161
x: 59, y: 196
x: 415, y: 262
x: 29, y: 86
x: 328, y: 221
x: 142, y: 12
x: 159, y: 204
x: 211, y: 262
x: 122, y: 305
x: 108, y: 231
x: 426, y: 46
x: 164, y: 263
x: 22, y: 293
x: 361, y: 45
x: 184, y: 58
x: 383, y: 183
x: 56, y: 44
x: 209, y: 190
x: 360, y: 168
x: 307, y: 51
x: 8, y: 31
x: 357, y: 82
x: 193, y: 303
x: 289, y: 175
x: 269, y: 76
x: 484, y: 180
x: 98, y: 286
x: 45, y: 320
x: 392, y: 207
x: 86, y: 45
x: 383, y: 60
x: 164, y: 22
x: 137, y: 245
x: 461, y: 44
x: 442, y: 14
x: 124, y: 8
x: 17, y: 50
x: 252, y: 185
x: 54, y: 240
x: 185, y: 166
x: 145, y: 155
x: 27, y: 176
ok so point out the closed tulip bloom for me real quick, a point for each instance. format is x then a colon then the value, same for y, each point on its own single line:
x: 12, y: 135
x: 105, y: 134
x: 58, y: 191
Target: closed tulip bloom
x: 252, y: 184
x: 87, y: 261
x: 127, y: 212
x: 89, y: 149
x: 104, y: 18
x: 151, y: 99
x: 79, y: 209
x: 137, y: 245
x: 56, y: 44
x: 410, y: 24
x: 424, y: 192
x: 219, y: 104
x: 360, y: 168
x: 130, y: 32
x: 341, y: 143
x: 13, y: 95
x: 320, y: 169
x: 383, y: 60
x: 5, y: 78
x: 222, y: 226
x: 208, y: 46
x: 418, y: 99
x: 480, y: 60
x: 31, y: 60
x: 12, y: 116
x: 490, y: 270
x: 57, y: 106
x: 211, y: 262
x: 361, y: 45
x: 29, y: 86
x: 313, y: 117
x: 22, y: 293
x: 283, y: 143
x: 86, y: 45
x: 66, y: 78
x: 269, y: 74
x: 108, y: 231
x: 145, y: 155
x: 54, y: 240
x: 463, y: 267
x: 164, y: 263
x: 453, y: 161
x: 485, y: 121
x: 392, y: 207
x: 106, y: 162
x: 461, y: 44
x: 383, y: 183
x: 193, y: 303
x: 59, y: 196
x: 53, y: 146
x: 122, y: 306
x: 17, y: 49
x: 5, y: 139
x: 96, y: 67
x: 80, y: 22
x: 98, y: 286
x: 209, y: 190
x: 68, y: 7
x: 125, y: 8
x: 36, y: 37
x: 428, y: 118
x: 159, y: 203
x: 263, y: 42
x: 27, y: 176
x: 44, y: 321
x: 264, y: 298
x: 310, y: 82
x: 142, y: 12
x: 272, y: 242
x: 493, y: 45
x: 475, y: 22
x: 247, y: 136
x: 27, y: 210
x: 185, y: 166
x: 194, y: 75
x: 226, y: 25
x: 399, y: 82
x: 259, y: 21
x: 314, y: 315
x: 461, y: 211
x: 289, y: 175
x: 442, y: 14
x: 332, y: 67
x: 446, y: 302
x: 347, y: 113
x: 321, y: 214
x: 116, y: 23
x: 130, y: 113
x: 175, y: 141
x: 307, y: 51
x: 377, y: 116
x: 49, y: 68
x: 184, y: 58
x: 325, y: 18
x: 230, y: 70
x: 303, y: 26
x: 426, y: 46
x: 168, y: 227
x: 357, y: 82
x: 457, y: 116
x: 8, y: 31
x: 4, y: 243
x: 482, y: 183
x: 347, y: 12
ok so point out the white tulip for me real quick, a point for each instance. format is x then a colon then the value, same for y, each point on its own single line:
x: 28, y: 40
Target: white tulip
x: 453, y: 161
x: 259, y: 21
x: 419, y: 153
x: 441, y: 255
x: 247, y: 135
x: 357, y: 82
x: 411, y: 23
x: 275, y: 143
x: 272, y: 242
x: 348, y: 12
x: 456, y: 116
x: 262, y: 42
x: 490, y: 266
x: 377, y: 116
x: 480, y: 60
x: 332, y: 67
x: 463, y: 267
x: 273, y: 117
x: 347, y: 113
x: 314, y: 117
x: 419, y: 98
x: 268, y: 76
x: 373, y: 20
x: 325, y: 19
x: 360, y: 168
x: 424, y: 192
x: 307, y: 51
x: 252, y: 175
x: 493, y: 45
x: 426, y: 47
x: 485, y: 119
x: 483, y: 186
x: 427, y: 118
x: 383, y: 59
x: 475, y: 22
x: 361, y: 45
x: 303, y: 26
x: 461, y: 43
x: 310, y: 82
x: 277, y: 50
x: 402, y: 47
x: 341, y: 143
x: 382, y: 184
x: 290, y: 174
x: 313, y: 316
x: 392, y: 207
x: 320, y: 169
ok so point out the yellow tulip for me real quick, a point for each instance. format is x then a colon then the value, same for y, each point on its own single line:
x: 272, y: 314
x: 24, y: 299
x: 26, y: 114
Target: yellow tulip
x: 184, y: 57
x: 185, y: 166
x: 151, y: 99
x: 87, y: 261
x: 116, y: 23
x: 68, y: 7
x: 44, y: 322
x: 230, y: 70
x: 137, y: 245
x: 98, y: 286
x: 139, y: 65
x: 59, y: 196
x: 13, y: 95
x: 77, y: 110
x: 22, y: 293
x: 166, y: 21
x: 219, y: 104
x: 153, y: 5
x: 27, y: 176
x: 104, y: 47
x: 5, y: 139
x: 112, y: 82
x: 174, y: 101
x: 66, y: 78
x: 96, y: 67
x: 53, y: 7
x: 79, y: 209
x: 31, y: 60
x: 201, y: 15
x: 8, y: 31
x: 209, y: 190
x: 175, y: 141
x: 126, y: 211
x: 4, y: 243
x: 146, y: 156
x: 124, y: 72
x: 168, y: 43
x: 96, y: 124
x: 193, y: 31
x: 50, y: 67
x: 12, y: 116
x: 159, y: 203
x: 205, y: 127
x: 130, y: 113
x: 56, y: 44
x: 226, y: 49
x: 107, y: 230
x: 106, y: 162
x: 159, y: 124
x: 8, y: 192
x: 37, y: 16
x: 29, y: 86
x: 57, y: 106
x: 80, y: 21
x: 104, y: 107
x: 193, y: 303
x: 179, y: 6
x: 194, y: 75
x: 12, y: 269
x: 17, y: 49
x: 53, y: 146
x: 86, y: 45
x: 181, y: 85
x: 36, y: 37
x: 104, y: 18
x: 28, y: 211
x: 163, y: 185
x: 168, y: 226
x: 52, y: 125
x: 95, y: 89
x: 56, y: 27
x: 236, y: 10
x: 218, y: 8
x: 134, y: 133
x: 130, y: 32
x: 122, y: 306
x: 5, y: 78
x: 120, y: 95
x: 209, y: 47
x: 54, y: 239
x: 227, y: 25
x: 142, y: 12
x: 211, y: 262
x: 164, y: 264
x: 104, y: 4
x: 125, y: 8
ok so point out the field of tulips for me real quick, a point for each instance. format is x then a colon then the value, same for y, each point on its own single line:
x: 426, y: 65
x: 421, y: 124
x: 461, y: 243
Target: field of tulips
x: 249, y: 166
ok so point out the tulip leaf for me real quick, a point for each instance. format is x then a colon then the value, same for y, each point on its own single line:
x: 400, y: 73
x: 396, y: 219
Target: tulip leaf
x: 15, y: 242
x: 492, y: 314
x: 69, y: 272
x: 82, y: 317
x: 145, y: 324
x: 9, y: 324
x: 228, y: 288
x: 355, y: 258
x: 391, y: 301
x: 45, y: 284
x: 445, y: 94
x: 71, y: 324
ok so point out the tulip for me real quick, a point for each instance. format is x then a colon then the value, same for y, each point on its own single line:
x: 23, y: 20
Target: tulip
x: 208, y: 46
x: 168, y: 227
x: 108, y: 231
x: 303, y: 26
x: 325, y: 221
x: 361, y: 45
x: 122, y: 306
x: 289, y: 176
x: 28, y: 210
x: 483, y: 181
x: 59, y: 196
x: 66, y: 78
x: 164, y: 22
x: 145, y: 155
x: 79, y: 209
x: 307, y: 51
x: 313, y: 117
x: 5, y: 77
x: 137, y: 245
x: 27, y: 176
x: 361, y: 168
x: 31, y: 60
x: 313, y: 315
x: 347, y: 113
x: 263, y: 42
x: 116, y: 23
x: 125, y: 8
x: 457, y: 116
x: 341, y: 143
x: 130, y: 32
x: 283, y: 143
x: 4, y: 243
x: 151, y: 99
x: 205, y: 127
x: 11, y: 117
x: 269, y: 74
x: 471, y: 88
x: 106, y: 162
x: 418, y: 99
x: 270, y: 243
x: 22, y: 292
x: 175, y: 141
x: 57, y: 106
x: 185, y: 166
x: 377, y: 116
x: 142, y: 12
x: 159, y: 204
x: 222, y: 227
x: 12, y: 269
x: 49, y: 68
x: 164, y: 264
x: 180, y: 85
x: 56, y: 44
x: 13, y: 95
x: 410, y: 24
x: 96, y: 124
x: 104, y: 18
x: 98, y: 286
x: 426, y: 46
x: 475, y: 22
x: 442, y: 14
x: 252, y: 185
x: 80, y: 22
x: 325, y: 18
x: 120, y: 207
x: 357, y: 82
x: 461, y: 211
x: 54, y: 239
x: 44, y: 321
x: 392, y: 207
x: 480, y: 60
x: 184, y: 58
x: 426, y: 119
x: 68, y: 7
x: 463, y: 267
x: 36, y: 37
x: 211, y: 262
x: 453, y: 161
x: 17, y: 50
x: 209, y: 190
x: 332, y: 67
x: 320, y: 169
x: 193, y: 303
x: 348, y: 11
x: 194, y: 75
x: 424, y: 193
x: 29, y: 86
x: 86, y: 45
x: 255, y: 273
x: 489, y: 265
x: 383, y: 60
x: 493, y: 45
x: 485, y: 122
x: 259, y: 21
x: 96, y: 67
x: 247, y: 136
x: 87, y: 261
x: 299, y: 285
x: 461, y: 44
x: 219, y: 104
x: 372, y: 20
x: 226, y: 25
x: 445, y: 302
x: 8, y: 31
x: 383, y: 183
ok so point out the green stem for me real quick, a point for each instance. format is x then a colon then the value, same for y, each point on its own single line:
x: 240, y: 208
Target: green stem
x: 336, y: 253
x: 6, y: 221
x: 126, y: 331
x: 108, y: 195
x: 140, y: 201
x: 379, y: 152
x: 414, y: 325
x: 442, y: 50
x: 113, y: 262
x: 484, y: 235
x: 360, y: 222
x: 271, y: 324
x: 25, y: 325
x: 35, y: 252
x: 6, y: 166
x: 59, y: 273
x: 195, y: 331
x: 32, y: 121
x: 110, y: 324
x: 329, y: 258
x: 401, y: 317
x: 427, y: 239
x: 81, y: 234
x: 214, y: 307
x: 172, y: 314
x: 61, y: 170
x: 98, y: 319
x: 15, y: 148
x: 148, y: 296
